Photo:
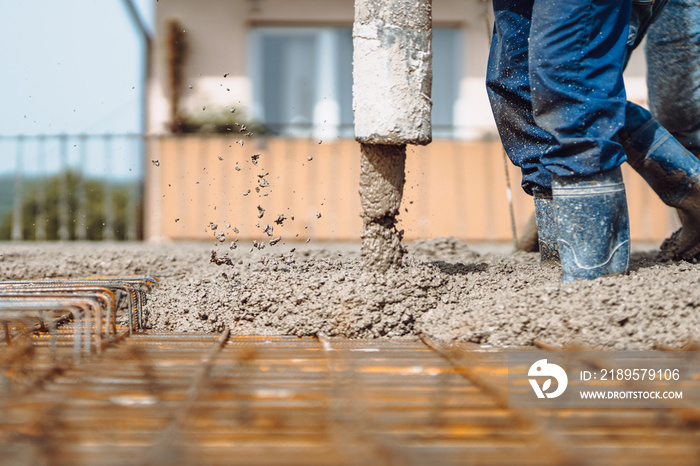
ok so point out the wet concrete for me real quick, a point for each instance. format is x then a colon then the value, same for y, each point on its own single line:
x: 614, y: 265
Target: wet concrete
x: 382, y: 179
x: 444, y: 289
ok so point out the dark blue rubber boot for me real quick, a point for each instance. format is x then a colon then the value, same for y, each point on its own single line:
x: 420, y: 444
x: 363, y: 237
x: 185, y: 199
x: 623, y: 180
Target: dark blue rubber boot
x: 671, y: 171
x: 546, y: 227
x: 593, y: 225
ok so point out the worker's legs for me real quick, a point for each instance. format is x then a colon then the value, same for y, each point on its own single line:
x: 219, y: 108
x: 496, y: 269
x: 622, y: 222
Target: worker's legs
x: 644, y: 14
x: 671, y: 171
x: 578, y: 69
x: 508, y: 86
x: 577, y: 50
x: 673, y: 57
x: 665, y: 164
x: 576, y: 62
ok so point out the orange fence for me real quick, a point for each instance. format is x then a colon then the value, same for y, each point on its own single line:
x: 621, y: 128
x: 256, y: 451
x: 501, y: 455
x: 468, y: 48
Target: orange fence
x: 453, y: 188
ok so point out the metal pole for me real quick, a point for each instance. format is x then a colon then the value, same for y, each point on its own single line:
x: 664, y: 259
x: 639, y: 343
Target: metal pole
x: 108, y: 201
x: 63, y: 208
x: 147, y: 52
x: 41, y: 192
x: 140, y: 26
x: 133, y: 194
x: 81, y: 195
x: 17, y: 234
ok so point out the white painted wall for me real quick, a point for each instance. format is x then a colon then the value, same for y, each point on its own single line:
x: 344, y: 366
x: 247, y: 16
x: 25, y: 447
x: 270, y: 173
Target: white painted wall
x: 219, y: 34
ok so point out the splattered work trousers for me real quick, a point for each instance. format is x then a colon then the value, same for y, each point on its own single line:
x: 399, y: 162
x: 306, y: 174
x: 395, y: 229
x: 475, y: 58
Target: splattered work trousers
x: 555, y: 83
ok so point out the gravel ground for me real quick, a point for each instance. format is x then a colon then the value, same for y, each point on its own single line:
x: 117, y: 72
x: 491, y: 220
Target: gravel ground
x: 445, y: 290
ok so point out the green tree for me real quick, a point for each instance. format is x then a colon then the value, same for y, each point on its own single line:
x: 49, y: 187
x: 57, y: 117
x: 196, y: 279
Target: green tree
x: 85, y: 204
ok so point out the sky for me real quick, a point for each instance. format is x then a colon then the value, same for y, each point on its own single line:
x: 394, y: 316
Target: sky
x: 69, y: 66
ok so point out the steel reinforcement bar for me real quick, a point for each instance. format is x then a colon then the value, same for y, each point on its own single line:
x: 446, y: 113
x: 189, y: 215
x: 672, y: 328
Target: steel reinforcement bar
x: 159, y: 397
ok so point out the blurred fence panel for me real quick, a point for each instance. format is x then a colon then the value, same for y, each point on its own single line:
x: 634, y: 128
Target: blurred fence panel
x: 71, y: 187
x: 130, y: 187
x: 453, y: 188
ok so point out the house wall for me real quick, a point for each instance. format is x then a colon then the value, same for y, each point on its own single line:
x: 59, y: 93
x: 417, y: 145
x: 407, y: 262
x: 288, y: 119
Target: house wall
x: 454, y: 187
x: 218, y: 34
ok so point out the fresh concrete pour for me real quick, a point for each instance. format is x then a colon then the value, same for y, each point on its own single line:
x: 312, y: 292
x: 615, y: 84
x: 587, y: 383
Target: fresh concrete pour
x: 381, y: 188
x: 444, y: 290
x: 392, y: 79
x: 440, y: 288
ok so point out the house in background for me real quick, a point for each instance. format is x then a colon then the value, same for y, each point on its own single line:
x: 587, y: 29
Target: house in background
x: 288, y: 65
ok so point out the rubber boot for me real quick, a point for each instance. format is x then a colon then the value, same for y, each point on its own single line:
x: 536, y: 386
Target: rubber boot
x: 546, y: 227
x: 593, y: 225
x: 672, y: 172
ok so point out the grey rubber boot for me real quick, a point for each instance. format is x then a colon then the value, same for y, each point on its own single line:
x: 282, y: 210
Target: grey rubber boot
x: 546, y: 227
x: 672, y: 172
x: 593, y: 225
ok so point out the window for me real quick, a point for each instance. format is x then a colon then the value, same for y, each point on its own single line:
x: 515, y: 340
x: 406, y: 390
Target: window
x: 302, y: 80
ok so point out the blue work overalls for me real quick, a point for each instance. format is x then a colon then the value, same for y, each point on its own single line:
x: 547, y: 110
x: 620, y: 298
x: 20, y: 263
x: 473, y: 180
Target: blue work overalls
x: 555, y: 83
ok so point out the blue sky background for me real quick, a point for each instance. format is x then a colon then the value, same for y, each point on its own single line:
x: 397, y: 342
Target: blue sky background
x: 69, y: 66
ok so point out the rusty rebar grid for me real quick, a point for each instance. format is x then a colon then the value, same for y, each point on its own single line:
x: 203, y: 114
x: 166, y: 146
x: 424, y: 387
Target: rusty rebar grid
x: 282, y: 400
x: 80, y: 313
x: 132, y: 287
